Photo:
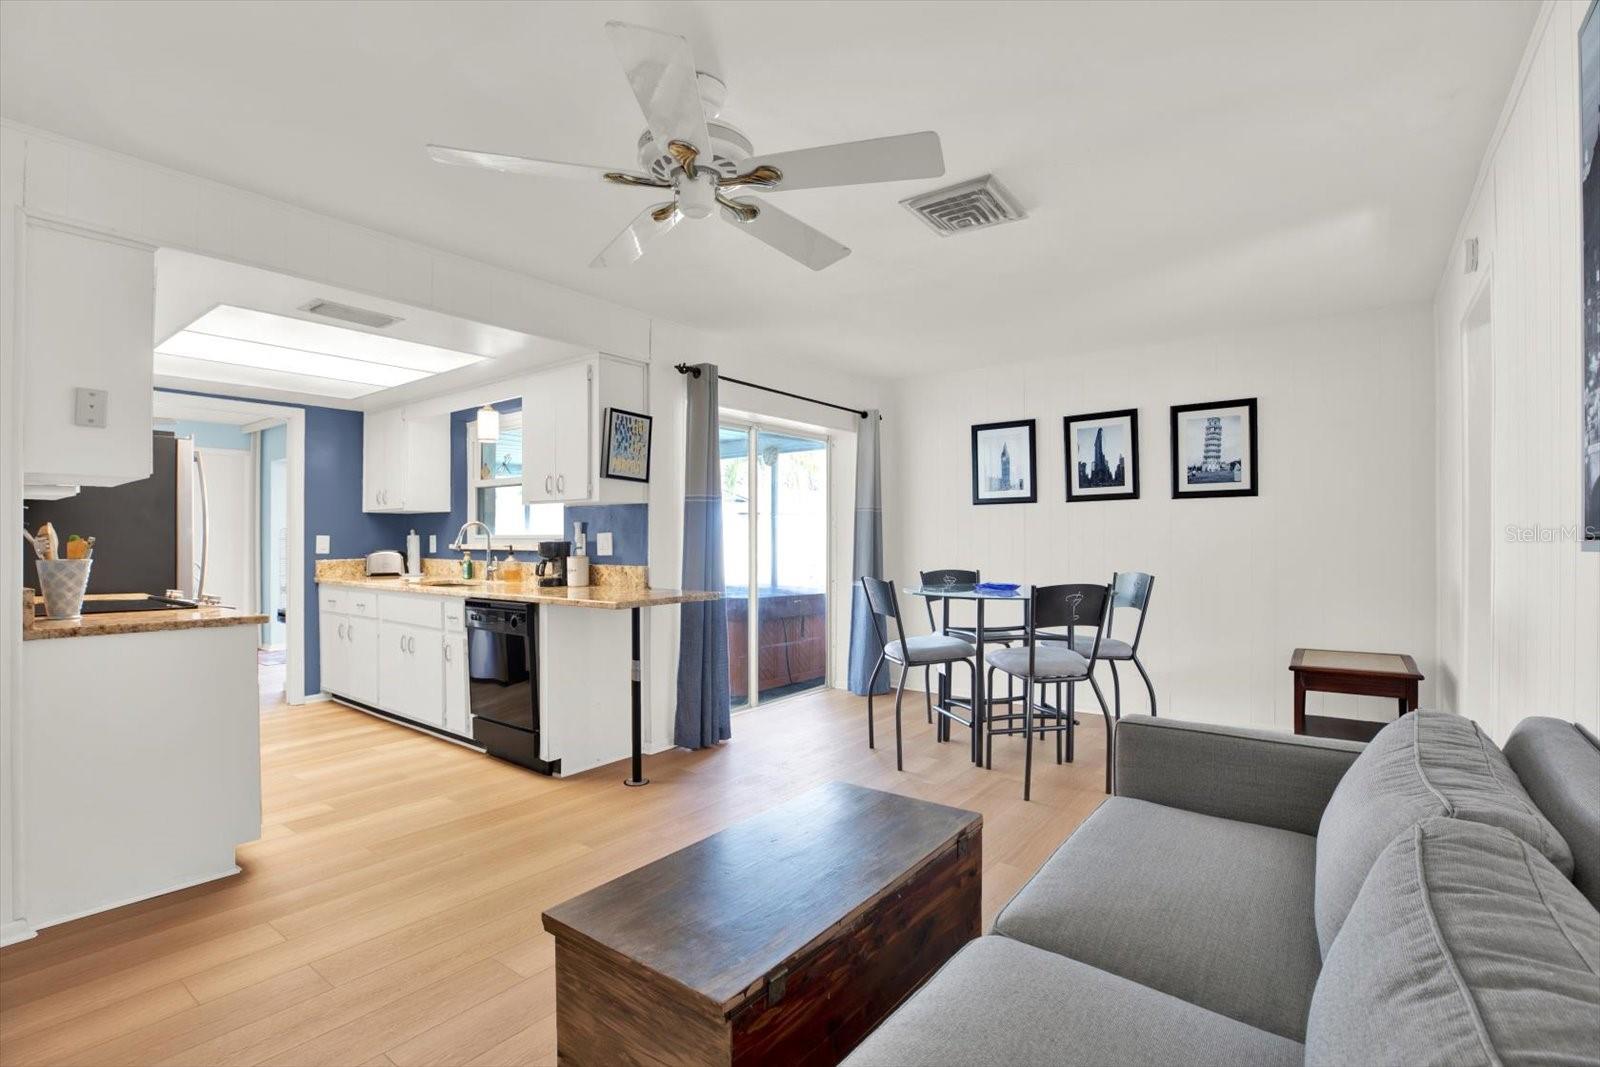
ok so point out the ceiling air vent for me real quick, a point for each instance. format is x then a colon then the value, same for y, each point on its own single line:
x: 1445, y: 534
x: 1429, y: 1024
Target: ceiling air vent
x: 376, y: 320
x: 972, y: 205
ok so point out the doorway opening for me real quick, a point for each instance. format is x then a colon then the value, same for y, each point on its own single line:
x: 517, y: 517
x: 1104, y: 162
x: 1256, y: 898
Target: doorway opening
x: 776, y: 531
x: 1477, y: 696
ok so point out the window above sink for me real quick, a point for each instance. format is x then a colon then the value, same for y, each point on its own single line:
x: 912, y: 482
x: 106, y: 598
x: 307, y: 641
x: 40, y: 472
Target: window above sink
x: 494, y: 479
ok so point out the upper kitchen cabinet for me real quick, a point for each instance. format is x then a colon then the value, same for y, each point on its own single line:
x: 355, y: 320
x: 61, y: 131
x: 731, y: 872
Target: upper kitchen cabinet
x: 405, y: 462
x: 87, y: 303
x: 562, y: 425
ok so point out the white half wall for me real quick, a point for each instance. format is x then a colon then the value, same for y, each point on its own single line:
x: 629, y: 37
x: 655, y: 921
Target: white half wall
x: 1542, y: 654
x: 1336, y: 552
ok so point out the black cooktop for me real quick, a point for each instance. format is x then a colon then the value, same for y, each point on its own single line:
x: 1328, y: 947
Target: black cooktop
x: 99, y: 607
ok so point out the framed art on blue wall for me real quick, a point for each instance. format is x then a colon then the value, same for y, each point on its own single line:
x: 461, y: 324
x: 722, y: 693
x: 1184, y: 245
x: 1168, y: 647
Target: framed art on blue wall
x: 627, y: 446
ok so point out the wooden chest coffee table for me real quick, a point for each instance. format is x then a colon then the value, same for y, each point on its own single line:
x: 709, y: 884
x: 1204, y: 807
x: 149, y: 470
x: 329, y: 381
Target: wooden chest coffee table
x: 783, y: 939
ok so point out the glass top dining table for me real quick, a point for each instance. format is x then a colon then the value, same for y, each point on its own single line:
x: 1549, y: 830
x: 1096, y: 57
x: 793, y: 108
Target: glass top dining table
x: 982, y: 634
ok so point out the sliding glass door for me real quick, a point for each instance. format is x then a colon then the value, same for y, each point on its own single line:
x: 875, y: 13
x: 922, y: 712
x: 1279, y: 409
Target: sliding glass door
x: 775, y: 536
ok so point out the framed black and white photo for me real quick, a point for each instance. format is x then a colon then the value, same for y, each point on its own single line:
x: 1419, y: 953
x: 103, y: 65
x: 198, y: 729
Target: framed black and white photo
x: 1214, y: 449
x: 627, y: 446
x: 1589, y: 446
x: 1102, y: 451
x: 1003, y: 466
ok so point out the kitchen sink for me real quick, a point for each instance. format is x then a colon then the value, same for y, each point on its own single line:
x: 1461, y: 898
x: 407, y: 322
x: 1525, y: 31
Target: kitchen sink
x: 450, y: 581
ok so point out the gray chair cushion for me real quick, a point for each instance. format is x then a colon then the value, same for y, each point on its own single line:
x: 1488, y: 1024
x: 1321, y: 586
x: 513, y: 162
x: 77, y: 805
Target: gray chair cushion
x: 1110, y: 647
x: 1465, y: 946
x: 931, y: 648
x: 1051, y: 662
x: 1213, y: 911
x: 1424, y: 764
x: 999, y: 1002
x: 1558, y: 764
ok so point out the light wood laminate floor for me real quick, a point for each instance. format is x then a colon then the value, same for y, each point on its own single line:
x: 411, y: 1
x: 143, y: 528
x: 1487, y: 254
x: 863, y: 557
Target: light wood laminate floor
x: 390, y: 913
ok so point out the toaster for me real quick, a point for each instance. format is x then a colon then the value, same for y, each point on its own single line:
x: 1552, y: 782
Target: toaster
x: 385, y: 563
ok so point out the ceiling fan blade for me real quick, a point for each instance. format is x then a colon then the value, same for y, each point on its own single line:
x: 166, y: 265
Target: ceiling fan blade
x: 787, y: 234
x: 541, y: 168
x: 881, y: 159
x: 660, y: 70
x: 630, y: 244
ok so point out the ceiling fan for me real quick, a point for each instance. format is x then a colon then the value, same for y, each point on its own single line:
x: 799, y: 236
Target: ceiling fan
x: 705, y: 161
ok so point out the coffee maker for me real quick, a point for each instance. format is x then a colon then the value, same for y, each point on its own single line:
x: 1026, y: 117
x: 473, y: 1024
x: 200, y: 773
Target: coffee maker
x: 552, y: 566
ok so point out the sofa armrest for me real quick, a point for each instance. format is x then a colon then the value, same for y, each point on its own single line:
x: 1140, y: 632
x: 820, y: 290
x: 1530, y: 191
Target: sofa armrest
x: 1255, y: 776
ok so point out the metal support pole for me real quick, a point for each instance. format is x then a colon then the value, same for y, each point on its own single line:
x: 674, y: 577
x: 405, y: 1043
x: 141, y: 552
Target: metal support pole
x: 637, y: 777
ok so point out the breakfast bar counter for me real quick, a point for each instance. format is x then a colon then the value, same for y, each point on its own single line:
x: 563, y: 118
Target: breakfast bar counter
x: 135, y: 622
x: 605, y: 597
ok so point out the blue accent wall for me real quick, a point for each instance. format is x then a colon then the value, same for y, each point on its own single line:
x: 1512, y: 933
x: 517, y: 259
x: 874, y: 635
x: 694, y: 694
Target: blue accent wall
x: 628, y: 524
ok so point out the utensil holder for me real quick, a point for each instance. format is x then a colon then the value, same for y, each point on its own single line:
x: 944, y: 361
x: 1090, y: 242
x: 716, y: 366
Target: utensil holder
x: 578, y: 572
x: 63, y: 582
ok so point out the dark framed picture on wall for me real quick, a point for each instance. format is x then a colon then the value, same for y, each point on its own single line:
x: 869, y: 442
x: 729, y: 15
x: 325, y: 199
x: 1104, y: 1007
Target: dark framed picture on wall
x: 1102, y: 451
x: 1004, y: 468
x: 1214, y: 449
x: 627, y: 446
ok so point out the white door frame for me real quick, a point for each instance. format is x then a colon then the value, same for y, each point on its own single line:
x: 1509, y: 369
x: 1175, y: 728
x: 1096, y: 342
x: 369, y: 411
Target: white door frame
x: 1476, y: 693
x: 169, y: 404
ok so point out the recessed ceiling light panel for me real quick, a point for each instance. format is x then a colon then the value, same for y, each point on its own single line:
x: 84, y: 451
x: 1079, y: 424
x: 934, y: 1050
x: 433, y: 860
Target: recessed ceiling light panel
x: 306, y: 351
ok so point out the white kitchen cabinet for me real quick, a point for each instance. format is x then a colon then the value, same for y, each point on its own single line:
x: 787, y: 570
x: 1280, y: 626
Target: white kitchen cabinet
x: 455, y: 685
x: 335, y: 652
x: 87, y: 304
x: 405, y: 462
x: 559, y: 420
x: 411, y: 672
x: 361, y: 667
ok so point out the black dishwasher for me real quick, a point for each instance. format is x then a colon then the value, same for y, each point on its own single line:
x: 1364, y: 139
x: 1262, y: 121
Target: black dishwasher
x: 503, y: 682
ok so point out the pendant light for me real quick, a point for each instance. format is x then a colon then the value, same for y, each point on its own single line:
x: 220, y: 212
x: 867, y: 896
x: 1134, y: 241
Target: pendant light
x: 488, y: 425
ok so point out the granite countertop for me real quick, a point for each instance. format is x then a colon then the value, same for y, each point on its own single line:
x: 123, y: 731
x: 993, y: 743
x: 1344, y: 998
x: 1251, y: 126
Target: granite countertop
x: 136, y: 622
x: 605, y: 597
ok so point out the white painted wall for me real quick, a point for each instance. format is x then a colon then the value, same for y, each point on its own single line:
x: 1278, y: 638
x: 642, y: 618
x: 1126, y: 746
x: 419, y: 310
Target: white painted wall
x: 1336, y: 552
x: 1544, y: 596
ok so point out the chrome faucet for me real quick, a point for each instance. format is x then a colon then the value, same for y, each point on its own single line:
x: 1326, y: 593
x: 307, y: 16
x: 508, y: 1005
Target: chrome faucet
x: 489, y: 567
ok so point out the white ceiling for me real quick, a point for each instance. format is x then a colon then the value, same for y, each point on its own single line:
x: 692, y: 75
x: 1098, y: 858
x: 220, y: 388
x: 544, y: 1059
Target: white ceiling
x: 1184, y: 167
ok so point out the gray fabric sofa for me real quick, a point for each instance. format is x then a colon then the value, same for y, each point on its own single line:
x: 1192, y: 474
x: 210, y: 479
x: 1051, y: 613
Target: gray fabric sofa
x: 1257, y: 898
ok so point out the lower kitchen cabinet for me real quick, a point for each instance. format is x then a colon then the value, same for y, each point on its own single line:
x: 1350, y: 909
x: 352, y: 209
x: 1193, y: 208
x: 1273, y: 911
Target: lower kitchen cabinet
x: 395, y: 652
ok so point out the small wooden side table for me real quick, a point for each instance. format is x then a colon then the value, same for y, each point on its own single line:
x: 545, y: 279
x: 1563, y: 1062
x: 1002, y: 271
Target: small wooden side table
x: 1373, y: 674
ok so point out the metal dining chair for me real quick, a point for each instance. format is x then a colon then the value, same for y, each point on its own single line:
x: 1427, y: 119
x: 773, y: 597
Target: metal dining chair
x: 1048, y: 659
x: 1129, y: 589
x: 1000, y: 635
x: 928, y: 652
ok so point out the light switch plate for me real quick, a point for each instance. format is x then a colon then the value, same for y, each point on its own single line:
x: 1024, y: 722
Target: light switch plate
x: 324, y: 544
x: 602, y: 544
x: 89, y: 408
x: 433, y: 543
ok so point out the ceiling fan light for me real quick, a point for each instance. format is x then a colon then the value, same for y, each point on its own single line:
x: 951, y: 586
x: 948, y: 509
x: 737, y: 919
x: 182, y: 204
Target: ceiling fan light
x: 488, y: 427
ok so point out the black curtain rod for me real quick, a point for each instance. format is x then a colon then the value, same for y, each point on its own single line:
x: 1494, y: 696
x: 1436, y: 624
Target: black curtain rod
x: 684, y: 368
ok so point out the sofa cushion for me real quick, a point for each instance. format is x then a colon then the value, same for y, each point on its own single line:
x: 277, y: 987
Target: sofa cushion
x: 1000, y: 1002
x: 1558, y: 764
x: 1213, y: 911
x: 1425, y: 764
x: 1465, y: 946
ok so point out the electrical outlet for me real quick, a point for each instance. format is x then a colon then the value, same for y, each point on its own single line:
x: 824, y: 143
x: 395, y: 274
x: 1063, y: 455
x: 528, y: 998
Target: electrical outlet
x: 324, y: 544
x: 433, y: 543
x: 89, y: 408
x: 602, y: 544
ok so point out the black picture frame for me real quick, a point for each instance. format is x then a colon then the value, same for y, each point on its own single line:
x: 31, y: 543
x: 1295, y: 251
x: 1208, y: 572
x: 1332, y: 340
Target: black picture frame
x: 1028, y: 493
x: 1078, y: 493
x: 1249, y: 482
x: 1589, y: 356
x: 609, y: 431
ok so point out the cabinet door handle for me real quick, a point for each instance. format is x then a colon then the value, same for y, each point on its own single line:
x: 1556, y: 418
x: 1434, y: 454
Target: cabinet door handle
x: 447, y: 651
x: 561, y: 483
x: 341, y: 631
x: 350, y: 634
x: 547, y: 484
x: 411, y: 644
